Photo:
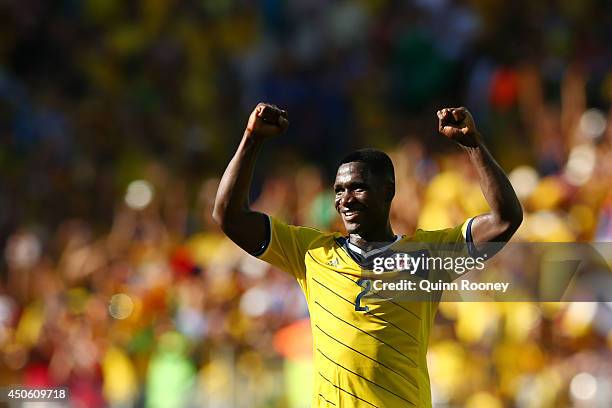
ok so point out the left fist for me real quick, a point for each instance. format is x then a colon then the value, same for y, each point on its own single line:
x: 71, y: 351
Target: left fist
x: 457, y: 124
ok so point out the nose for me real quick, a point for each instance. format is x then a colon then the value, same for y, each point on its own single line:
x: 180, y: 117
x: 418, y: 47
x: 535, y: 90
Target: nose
x: 345, y: 199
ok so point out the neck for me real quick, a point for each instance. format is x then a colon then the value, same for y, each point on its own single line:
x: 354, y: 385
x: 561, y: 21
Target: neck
x: 371, y: 240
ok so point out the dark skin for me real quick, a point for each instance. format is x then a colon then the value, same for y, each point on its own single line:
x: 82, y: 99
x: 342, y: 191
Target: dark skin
x: 362, y: 198
x: 231, y: 211
x: 506, y: 213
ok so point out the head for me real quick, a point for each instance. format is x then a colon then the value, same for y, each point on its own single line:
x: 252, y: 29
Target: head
x: 364, y: 188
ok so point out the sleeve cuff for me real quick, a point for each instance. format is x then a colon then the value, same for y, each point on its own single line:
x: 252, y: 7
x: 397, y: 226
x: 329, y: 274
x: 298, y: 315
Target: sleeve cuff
x: 469, y: 240
x: 268, y: 235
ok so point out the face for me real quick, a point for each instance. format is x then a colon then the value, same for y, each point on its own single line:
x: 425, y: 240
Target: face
x: 362, y: 199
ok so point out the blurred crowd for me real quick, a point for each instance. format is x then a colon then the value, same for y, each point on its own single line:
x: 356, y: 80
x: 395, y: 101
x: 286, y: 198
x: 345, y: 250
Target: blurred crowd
x: 117, y: 119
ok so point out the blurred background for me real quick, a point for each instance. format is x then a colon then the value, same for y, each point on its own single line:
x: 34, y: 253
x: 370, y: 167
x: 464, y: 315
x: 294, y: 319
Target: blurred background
x: 117, y: 119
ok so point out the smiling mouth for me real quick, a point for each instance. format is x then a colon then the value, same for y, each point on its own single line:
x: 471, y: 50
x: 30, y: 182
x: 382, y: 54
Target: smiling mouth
x: 350, y: 215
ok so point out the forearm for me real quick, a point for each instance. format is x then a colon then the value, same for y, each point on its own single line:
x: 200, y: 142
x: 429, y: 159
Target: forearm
x: 497, y: 190
x: 233, y: 193
x: 248, y: 229
x: 506, y: 213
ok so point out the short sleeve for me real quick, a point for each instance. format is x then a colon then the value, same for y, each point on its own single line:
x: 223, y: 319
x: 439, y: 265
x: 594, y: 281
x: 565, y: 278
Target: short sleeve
x: 460, y: 234
x: 287, y: 246
x: 452, y: 242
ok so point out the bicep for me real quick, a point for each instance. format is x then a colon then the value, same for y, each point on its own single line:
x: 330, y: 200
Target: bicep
x: 488, y: 228
x: 250, y: 231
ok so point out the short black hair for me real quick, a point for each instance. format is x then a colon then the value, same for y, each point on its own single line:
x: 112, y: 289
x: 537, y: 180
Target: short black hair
x: 378, y: 162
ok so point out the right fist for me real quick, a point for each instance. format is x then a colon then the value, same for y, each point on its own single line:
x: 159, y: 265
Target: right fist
x: 267, y: 120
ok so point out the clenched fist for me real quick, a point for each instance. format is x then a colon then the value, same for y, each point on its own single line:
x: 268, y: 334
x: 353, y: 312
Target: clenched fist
x: 267, y: 121
x: 457, y: 124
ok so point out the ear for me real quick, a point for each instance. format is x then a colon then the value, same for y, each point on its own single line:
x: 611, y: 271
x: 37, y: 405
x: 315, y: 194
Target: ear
x: 390, y: 191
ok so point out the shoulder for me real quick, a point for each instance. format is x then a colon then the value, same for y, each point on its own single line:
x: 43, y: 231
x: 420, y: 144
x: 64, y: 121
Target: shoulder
x: 456, y: 233
x: 421, y: 235
x: 305, y: 236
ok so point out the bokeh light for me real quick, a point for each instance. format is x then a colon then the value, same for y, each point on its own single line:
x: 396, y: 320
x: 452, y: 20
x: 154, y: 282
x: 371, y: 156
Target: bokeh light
x: 524, y: 179
x: 139, y: 194
x: 583, y: 386
x: 581, y: 164
x: 593, y: 123
x: 120, y: 306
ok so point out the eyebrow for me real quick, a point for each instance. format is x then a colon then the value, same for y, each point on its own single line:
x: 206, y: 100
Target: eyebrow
x: 351, y: 184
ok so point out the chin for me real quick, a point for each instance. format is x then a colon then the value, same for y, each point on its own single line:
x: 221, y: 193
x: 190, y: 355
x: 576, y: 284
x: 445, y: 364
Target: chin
x: 353, y: 228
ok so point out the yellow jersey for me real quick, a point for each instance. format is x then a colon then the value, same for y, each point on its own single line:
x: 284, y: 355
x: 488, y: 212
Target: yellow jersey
x: 371, y: 357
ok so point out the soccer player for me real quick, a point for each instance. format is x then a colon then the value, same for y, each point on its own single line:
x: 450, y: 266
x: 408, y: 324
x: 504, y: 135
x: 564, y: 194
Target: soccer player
x: 370, y: 355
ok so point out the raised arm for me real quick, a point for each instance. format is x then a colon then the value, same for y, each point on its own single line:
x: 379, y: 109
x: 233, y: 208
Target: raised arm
x: 231, y: 211
x: 506, y: 213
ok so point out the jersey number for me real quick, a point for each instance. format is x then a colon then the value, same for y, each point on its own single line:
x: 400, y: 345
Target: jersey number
x: 366, y: 284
